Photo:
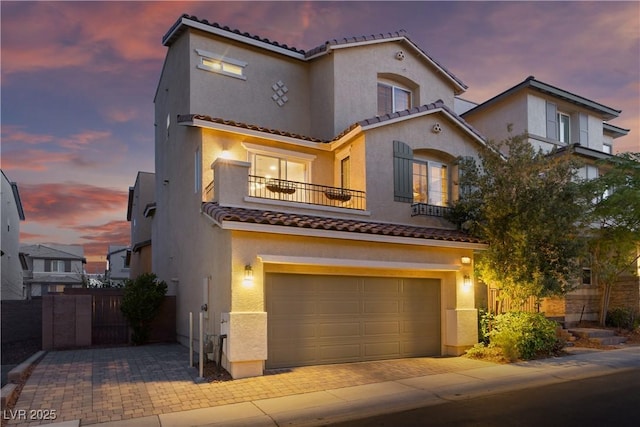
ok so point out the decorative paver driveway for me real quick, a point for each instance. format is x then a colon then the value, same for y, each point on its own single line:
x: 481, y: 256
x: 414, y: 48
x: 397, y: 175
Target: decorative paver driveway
x: 110, y: 384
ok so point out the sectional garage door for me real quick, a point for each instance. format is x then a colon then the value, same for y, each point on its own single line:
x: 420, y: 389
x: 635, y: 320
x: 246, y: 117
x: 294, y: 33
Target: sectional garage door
x: 315, y: 320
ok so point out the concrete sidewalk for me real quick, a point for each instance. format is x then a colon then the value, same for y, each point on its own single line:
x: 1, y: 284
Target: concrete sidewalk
x: 319, y: 395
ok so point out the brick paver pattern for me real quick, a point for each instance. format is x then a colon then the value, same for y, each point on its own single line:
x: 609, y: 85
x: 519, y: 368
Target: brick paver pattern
x: 110, y: 384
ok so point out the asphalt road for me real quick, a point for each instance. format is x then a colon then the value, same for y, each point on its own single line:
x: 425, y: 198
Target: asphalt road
x: 610, y: 400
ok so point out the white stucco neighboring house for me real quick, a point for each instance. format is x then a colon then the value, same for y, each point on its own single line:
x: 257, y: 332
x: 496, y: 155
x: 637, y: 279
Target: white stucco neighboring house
x: 13, y: 261
x: 53, y: 267
x: 117, y: 271
x: 300, y: 198
x: 558, y: 120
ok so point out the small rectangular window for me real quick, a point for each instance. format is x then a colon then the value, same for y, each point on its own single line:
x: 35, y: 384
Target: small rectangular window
x: 607, y: 148
x: 345, y: 172
x: 221, y: 64
x: 586, y: 276
x: 564, y: 128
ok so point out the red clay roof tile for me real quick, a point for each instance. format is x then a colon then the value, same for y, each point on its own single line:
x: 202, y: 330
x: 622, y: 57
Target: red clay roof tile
x: 256, y: 216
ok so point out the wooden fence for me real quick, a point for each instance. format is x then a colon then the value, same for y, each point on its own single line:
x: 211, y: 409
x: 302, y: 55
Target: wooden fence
x: 498, y: 304
x: 110, y: 327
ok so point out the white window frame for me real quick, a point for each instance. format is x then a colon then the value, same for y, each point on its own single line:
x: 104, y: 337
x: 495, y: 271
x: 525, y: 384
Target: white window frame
x: 293, y: 156
x: 394, y: 86
x: 57, y: 266
x: 221, y: 64
x: 561, y: 134
x: 430, y: 164
x: 607, y: 148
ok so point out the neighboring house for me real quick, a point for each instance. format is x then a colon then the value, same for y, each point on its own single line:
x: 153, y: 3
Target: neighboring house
x: 556, y: 119
x: 117, y: 265
x: 13, y: 261
x: 53, y: 267
x: 300, y: 198
x: 140, y: 210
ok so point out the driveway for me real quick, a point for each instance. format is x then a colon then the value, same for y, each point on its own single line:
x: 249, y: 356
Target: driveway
x: 112, y: 384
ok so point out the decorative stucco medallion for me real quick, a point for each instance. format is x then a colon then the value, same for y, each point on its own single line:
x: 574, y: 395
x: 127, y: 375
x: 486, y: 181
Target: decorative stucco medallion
x: 279, y: 96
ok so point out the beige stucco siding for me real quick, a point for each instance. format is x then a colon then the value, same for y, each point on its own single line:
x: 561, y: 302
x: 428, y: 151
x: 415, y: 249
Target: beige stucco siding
x: 417, y: 133
x: 356, y: 92
x: 249, y: 101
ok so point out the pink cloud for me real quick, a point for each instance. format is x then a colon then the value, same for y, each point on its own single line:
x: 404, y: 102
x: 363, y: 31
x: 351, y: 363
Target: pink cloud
x: 69, y: 204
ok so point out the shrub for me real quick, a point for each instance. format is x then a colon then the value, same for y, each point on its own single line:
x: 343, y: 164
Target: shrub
x: 523, y: 335
x: 621, y: 318
x: 141, y: 303
x: 485, y: 323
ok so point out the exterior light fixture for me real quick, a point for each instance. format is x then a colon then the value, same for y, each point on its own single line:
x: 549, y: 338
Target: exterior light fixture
x: 225, y: 154
x: 248, y: 276
x: 466, y: 283
x: 465, y: 260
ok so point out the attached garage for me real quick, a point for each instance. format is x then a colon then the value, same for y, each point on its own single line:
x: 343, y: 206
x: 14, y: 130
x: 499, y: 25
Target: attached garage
x: 314, y: 319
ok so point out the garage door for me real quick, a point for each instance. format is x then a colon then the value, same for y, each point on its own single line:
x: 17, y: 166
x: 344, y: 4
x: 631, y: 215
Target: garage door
x: 315, y: 320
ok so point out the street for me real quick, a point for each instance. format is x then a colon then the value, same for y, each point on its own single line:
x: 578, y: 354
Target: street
x: 610, y: 400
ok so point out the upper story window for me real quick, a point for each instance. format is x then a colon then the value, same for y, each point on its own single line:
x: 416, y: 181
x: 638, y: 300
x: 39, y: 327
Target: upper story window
x: 57, y: 266
x: 564, y: 128
x: 607, y: 148
x: 430, y: 182
x: 272, y: 167
x: 392, y: 98
x: 345, y: 172
x: 220, y: 64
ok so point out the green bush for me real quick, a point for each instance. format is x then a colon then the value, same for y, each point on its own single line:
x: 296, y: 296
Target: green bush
x: 523, y: 335
x: 622, y: 318
x: 141, y: 303
x: 485, y: 322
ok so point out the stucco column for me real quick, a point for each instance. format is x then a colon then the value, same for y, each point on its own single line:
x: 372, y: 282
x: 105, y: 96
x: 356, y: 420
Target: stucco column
x: 230, y: 181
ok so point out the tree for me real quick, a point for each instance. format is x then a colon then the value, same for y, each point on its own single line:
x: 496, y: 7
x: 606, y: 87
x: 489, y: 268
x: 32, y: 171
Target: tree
x: 614, y: 217
x: 141, y: 303
x: 526, y: 207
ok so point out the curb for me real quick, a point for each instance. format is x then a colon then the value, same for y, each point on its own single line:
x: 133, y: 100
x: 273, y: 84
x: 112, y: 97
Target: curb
x: 16, y: 375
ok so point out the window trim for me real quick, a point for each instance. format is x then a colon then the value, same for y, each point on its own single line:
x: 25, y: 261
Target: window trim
x: 562, y: 115
x: 429, y: 164
x: 222, y: 61
x: 393, y: 86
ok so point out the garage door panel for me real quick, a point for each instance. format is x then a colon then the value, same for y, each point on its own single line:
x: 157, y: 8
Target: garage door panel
x: 339, y: 352
x: 333, y: 307
x: 333, y: 319
x: 339, y: 330
x: 381, y: 307
x: 381, y: 328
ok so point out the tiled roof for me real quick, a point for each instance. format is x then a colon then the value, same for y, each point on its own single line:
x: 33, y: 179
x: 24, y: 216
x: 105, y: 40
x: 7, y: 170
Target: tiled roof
x: 172, y: 34
x: 267, y: 217
x: 382, y: 36
x: 190, y: 117
x: 439, y: 104
x: 177, y: 28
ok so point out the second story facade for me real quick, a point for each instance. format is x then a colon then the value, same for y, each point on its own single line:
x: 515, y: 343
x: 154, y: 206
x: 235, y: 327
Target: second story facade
x: 52, y: 267
x: 13, y: 261
x: 553, y: 117
x: 117, y: 271
x: 140, y: 210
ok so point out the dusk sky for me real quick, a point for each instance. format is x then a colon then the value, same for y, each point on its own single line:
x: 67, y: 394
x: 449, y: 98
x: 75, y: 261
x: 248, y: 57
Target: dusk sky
x: 78, y: 80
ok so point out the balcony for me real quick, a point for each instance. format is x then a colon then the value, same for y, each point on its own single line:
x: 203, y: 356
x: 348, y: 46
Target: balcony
x: 302, y: 192
x: 423, y: 209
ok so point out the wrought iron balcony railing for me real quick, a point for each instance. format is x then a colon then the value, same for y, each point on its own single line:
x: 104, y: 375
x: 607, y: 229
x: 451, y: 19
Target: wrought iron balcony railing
x: 429, y: 210
x: 302, y: 192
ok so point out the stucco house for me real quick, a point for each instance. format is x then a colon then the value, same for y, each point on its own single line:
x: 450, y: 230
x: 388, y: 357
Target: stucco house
x: 117, y: 271
x: 561, y: 121
x: 300, y: 198
x: 13, y: 261
x: 53, y: 267
x: 140, y: 209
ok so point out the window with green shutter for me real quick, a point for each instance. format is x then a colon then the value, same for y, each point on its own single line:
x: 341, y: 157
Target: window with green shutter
x: 402, y: 172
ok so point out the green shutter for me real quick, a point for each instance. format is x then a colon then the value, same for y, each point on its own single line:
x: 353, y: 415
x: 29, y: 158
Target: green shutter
x: 402, y: 172
x: 552, y: 121
x: 464, y: 188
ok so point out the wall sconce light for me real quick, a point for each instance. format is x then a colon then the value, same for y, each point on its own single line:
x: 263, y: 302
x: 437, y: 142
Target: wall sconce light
x: 248, y: 276
x: 466, y: 283
x: 226, y: 154
x: 465, y: 260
